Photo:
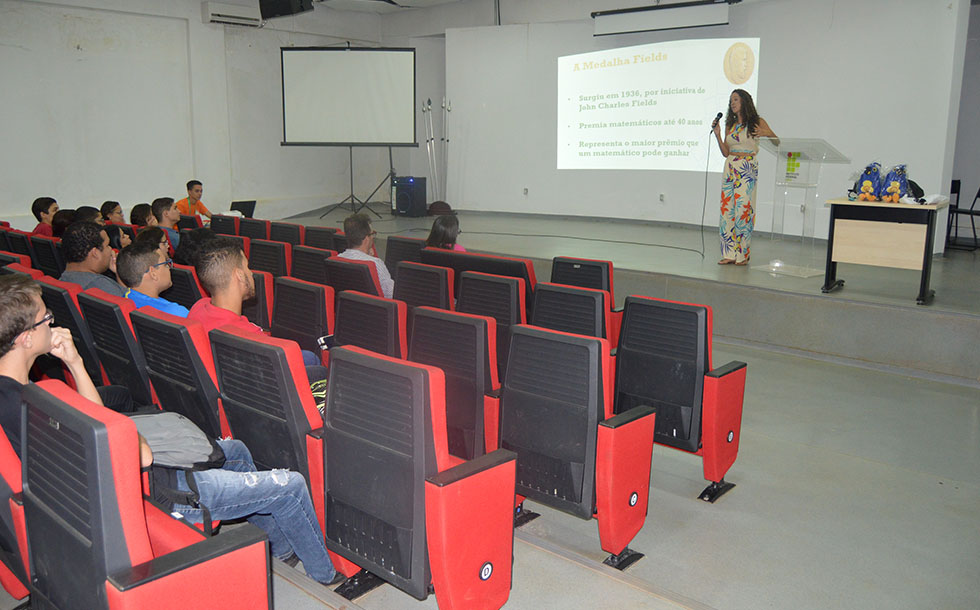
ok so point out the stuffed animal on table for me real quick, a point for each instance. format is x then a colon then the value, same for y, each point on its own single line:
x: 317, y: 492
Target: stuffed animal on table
x: 869, y: 183
x: 898, y: 184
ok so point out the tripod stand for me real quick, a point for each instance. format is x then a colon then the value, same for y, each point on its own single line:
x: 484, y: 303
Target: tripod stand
x: 356, y: 204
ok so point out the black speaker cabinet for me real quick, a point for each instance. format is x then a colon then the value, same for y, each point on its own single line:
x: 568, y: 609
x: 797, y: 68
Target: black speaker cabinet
x: 282, y: 8
x: 408, y: 196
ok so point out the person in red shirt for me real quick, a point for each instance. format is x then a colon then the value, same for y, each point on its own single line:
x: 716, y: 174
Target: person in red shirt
x: 192, y: 204
x: 44, y: 209
x: 223, y: 271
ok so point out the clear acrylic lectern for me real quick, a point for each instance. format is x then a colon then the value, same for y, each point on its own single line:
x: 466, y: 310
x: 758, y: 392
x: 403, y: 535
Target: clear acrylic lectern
x: 798, y: 162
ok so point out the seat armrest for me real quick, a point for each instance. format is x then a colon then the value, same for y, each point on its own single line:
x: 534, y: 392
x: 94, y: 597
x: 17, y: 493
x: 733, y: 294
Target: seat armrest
x: 172, y: 563
x: 469, y: 520
x: 495, y: 393
x: 316, y: 433
x: 726, y: 369
x: 721, y: 418
x: 17, y: 498
x: 628, y: 416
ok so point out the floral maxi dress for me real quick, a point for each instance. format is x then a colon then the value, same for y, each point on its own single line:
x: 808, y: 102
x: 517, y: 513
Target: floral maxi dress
x: 738, y: 194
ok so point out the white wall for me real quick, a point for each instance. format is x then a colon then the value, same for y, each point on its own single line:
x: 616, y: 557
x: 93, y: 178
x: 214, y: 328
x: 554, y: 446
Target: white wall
x: 967, y: 163
x: 820, y: 76
x: 129, y: 99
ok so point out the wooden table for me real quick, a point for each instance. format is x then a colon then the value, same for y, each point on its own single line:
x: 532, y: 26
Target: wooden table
x: 882, y: 234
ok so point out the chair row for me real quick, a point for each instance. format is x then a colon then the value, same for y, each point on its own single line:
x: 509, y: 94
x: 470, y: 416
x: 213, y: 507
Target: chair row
x: 327, y: 238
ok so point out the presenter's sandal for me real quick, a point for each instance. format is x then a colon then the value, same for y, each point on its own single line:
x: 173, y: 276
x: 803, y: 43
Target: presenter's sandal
x: 727, y: 261
x: 743, y: 263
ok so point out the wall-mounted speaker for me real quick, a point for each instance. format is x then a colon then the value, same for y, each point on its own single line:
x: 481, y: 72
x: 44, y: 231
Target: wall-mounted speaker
x: 408, y: 196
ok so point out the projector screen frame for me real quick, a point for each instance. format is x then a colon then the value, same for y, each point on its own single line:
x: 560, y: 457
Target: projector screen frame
x: 348, y: 48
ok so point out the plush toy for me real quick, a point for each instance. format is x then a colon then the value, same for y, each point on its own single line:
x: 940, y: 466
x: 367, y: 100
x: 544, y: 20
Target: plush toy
x: 869, y: 183
x: 898, y: 184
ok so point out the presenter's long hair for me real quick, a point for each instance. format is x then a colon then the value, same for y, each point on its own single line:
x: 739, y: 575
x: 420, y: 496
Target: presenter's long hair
x: 748, y: 113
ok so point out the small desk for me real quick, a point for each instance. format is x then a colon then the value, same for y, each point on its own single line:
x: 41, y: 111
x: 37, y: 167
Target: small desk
x: 881, y: 234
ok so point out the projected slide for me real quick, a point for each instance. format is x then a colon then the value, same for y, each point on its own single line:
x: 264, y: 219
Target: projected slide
x: 650, y: 106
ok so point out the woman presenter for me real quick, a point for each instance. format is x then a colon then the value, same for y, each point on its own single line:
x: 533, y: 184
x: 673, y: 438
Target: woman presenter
x: 743, y: 128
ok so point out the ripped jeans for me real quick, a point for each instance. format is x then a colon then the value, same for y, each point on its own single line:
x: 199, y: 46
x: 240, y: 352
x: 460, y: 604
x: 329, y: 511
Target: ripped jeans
x: 275, y: 500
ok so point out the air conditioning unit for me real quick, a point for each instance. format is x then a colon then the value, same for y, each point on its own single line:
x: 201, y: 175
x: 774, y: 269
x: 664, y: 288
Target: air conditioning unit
x: 231, y: 14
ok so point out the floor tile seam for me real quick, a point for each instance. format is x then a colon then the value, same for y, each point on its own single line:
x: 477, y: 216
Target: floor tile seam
x: 635, y: 582
x: 316, y: 591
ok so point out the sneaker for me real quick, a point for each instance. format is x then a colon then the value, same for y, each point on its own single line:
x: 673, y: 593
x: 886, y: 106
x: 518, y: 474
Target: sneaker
x: 291, y: 560
x: 336, y: 580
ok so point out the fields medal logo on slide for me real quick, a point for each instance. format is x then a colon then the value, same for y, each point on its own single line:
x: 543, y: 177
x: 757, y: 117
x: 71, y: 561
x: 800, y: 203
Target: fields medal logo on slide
x: 739, y: 63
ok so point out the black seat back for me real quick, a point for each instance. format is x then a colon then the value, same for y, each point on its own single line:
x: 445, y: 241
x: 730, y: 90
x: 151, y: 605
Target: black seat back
x: 661, y: 360
x: 253, y: 228
x: 224, y: 225
x: 189, y: 222
x: 319, y: 237
x: 47, y: 252
x: 184, y: 289
x: 20, y: 243
x: 584, y: 272
x: 286, y: 232
x: 500, y: 297
x: 570, y: 309
x: 460, y: 345
x: 550, y: 406
x: 258, y: 309
x: 377, y: 429
x: 120, y: 354
x: 485, y: 263
x: 272, y: 256
x: 302, y: 311
x: 345, y: 274
x: 424, y: 285
x: 308, y: 264
x: 58, y: 297
x: 398, y: 248
x: 178, y: 362
x: 371, y: 322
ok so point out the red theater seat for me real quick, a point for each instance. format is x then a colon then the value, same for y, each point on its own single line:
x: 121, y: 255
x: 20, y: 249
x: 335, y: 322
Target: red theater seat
x: 225, y: 225
x: 253, y: 228
x: 303, y: 312
x: 288, y: 232
x: 190, y: 222
x: 308, y: 264
x: 258, y: 309
x: 583, y: 272
x: 7, y: 258
x: 344, y: 274
x: 14, y: 566
x: 371, y: 322
x: 47, y: 252
x: 319, y: 237
x: 572, y: 309
x: 398, y: 249
x: 425, y: 285
x: 664, y: 360
x: 556, y: 413
x: 18, y: 268
x: 96, y: 543
x: 185, y: 288
x: 276, y: 257
x: 62, y: 299
x: 497, y: 296
x: 426, y: 518
x: 485, y: 263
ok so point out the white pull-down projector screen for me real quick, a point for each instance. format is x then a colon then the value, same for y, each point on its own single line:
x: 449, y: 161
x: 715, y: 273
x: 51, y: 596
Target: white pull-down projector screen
x: 348, y: 96
x: 650, y: 106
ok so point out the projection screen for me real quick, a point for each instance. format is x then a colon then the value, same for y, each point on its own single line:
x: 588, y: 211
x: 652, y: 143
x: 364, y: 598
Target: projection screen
x: 348, y: 96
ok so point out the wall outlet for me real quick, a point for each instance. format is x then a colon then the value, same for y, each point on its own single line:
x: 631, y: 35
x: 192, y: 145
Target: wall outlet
x: 663, y: 198
x: 525, y: 190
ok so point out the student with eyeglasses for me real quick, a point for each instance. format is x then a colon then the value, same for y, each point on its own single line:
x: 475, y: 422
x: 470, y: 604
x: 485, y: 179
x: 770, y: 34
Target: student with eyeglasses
x: 146, y: 271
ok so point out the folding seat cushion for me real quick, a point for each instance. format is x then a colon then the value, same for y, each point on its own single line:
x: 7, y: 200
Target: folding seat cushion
x: 371, y: 322
x: 96, y: 543
x: 121, y: 356
x: 18, y: 268
x: 287, y: 232
x: 664, y: 360
x: 180, y: 367
x: 48, y: 255
x: 397, y: 504
x: 344, y: 274
x: 62, y: 299
x: 7, y: 258
x: 425, y: 285
x: 572, y: 453
x: 13, y: 533
x: 225, y: 225
x: 303, y: 312
x: 486, y: 263
x: 308, y: 264
x: 497, y: 296
x: 319, y: 237
x: 398, y: 249
x: 266, y: 398
x: 571, y: 309
x: 185, y: 288
x: 253, y: 228
x: 584, y: 272
x: 258, y: 309
x: 464, y: 347
x: 272, y: 256
x: 189, y: 221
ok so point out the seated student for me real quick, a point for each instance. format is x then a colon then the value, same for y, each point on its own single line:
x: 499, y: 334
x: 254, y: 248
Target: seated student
x: 167, y: 215
x: 445, y: 230
x: 192, y: 204
x: 44, y: 209
x: 118, y: 239
x: 142, y: 215
x: 223, y: 271
x: 190, y: 245
x: 146, y: 271
x: 360, y: 241
x: 60, y: 222
x: 155, y: 236
x: 277, y: 501
x: 88, y: 214
x: 85, y: 246
x: 112, y: 213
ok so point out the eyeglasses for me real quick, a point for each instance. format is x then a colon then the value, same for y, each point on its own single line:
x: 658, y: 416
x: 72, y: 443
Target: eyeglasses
x: 48, y: 316
x: 169, y: 262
